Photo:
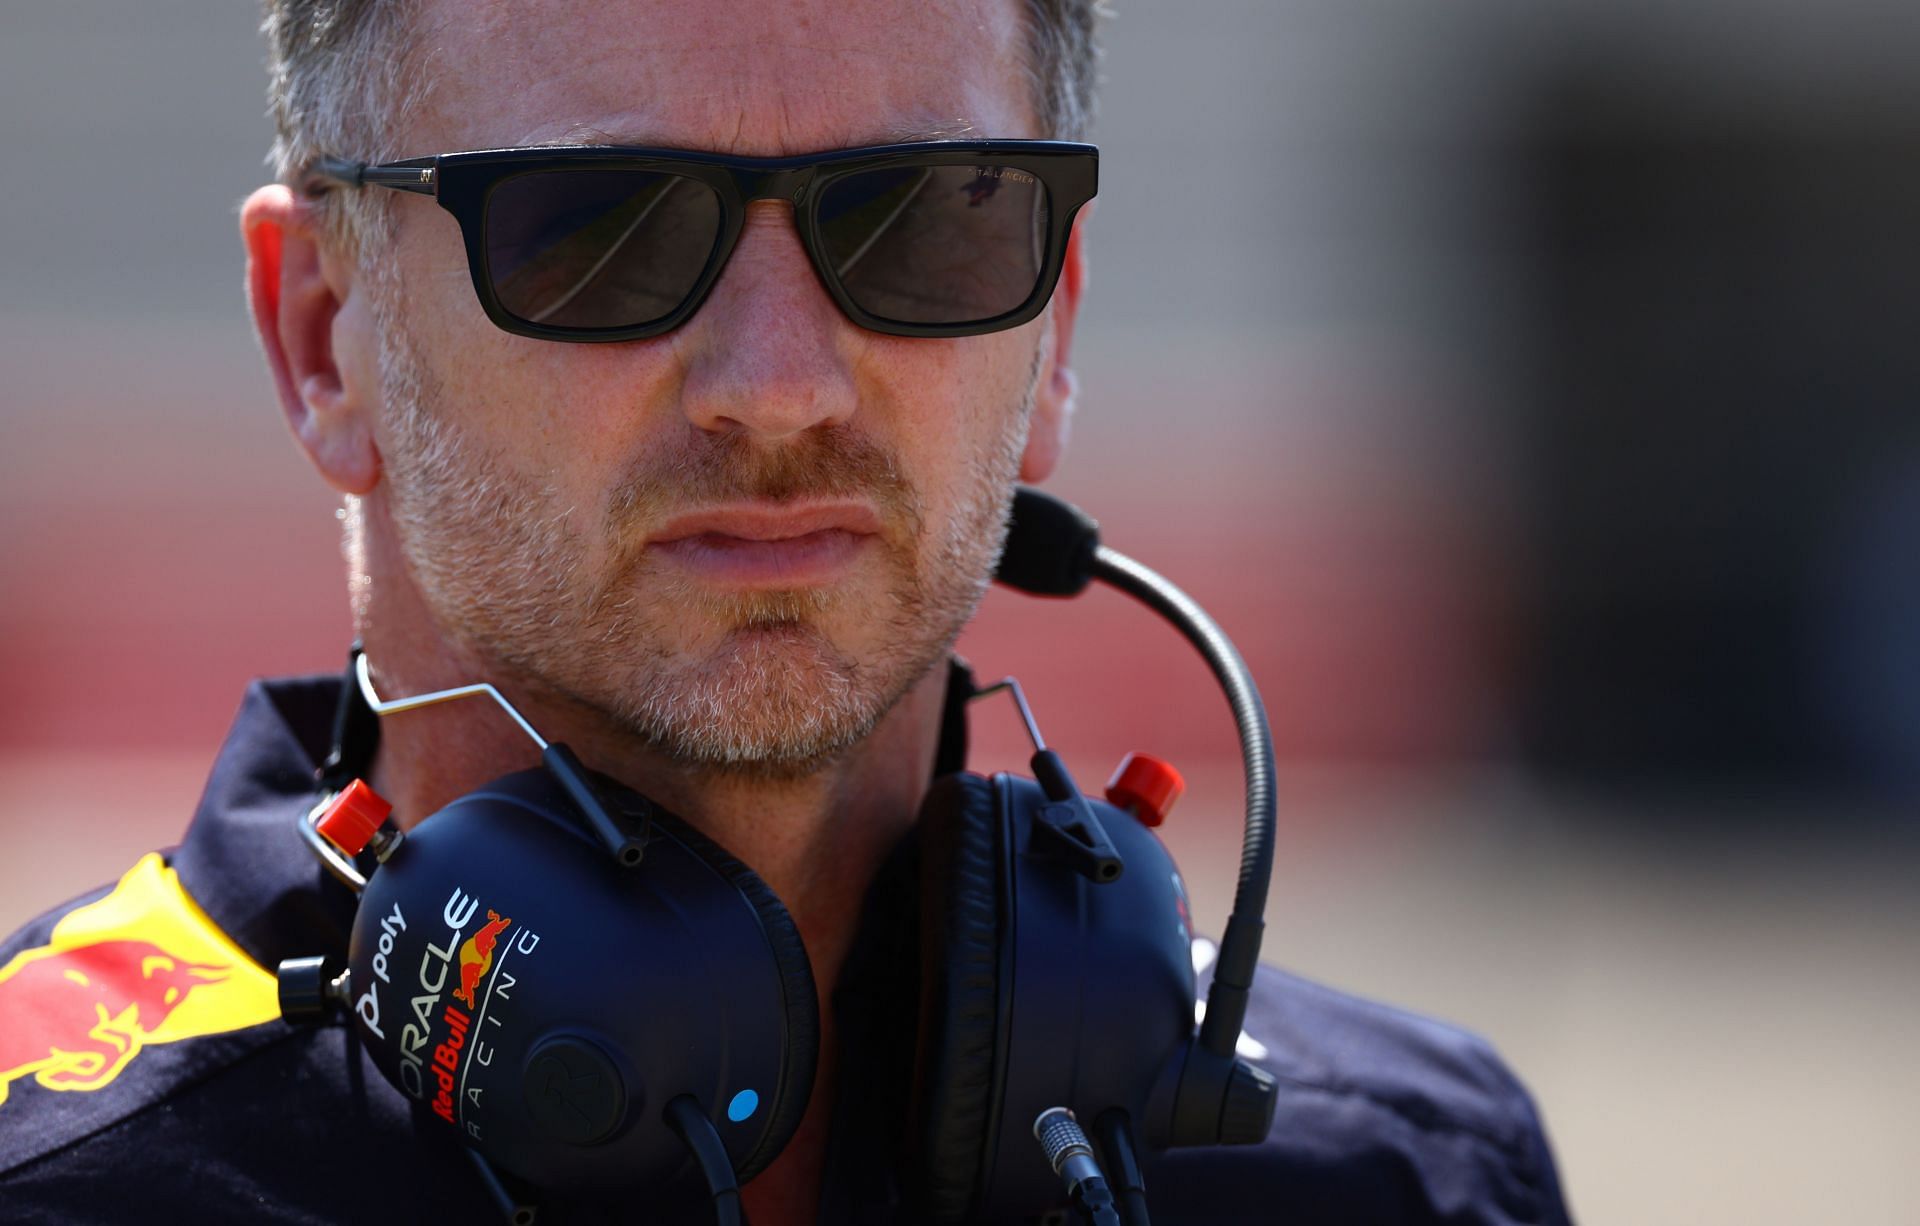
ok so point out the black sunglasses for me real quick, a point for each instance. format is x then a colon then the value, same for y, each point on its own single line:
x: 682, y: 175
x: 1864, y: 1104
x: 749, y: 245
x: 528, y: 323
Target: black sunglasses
x: 590, y: 243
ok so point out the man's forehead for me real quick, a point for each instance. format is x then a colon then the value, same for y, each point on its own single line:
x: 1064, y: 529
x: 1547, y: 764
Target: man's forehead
x: 740, y: 76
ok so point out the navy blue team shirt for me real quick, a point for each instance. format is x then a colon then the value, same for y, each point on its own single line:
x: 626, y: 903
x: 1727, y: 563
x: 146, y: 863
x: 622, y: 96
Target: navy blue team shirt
x: 145, y: 1072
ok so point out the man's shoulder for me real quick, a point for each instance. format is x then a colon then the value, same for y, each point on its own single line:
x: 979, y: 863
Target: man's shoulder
x: 1434, y: 1075
x: 141, y: 1047
x: 113, y: 1001
x: 1383, y: 1116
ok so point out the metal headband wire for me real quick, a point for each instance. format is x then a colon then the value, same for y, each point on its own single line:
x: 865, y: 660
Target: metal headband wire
x: 397, y: 705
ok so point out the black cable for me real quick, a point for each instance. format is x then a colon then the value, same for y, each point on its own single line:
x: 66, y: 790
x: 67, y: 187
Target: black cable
x: 685, y: 1117
x: 1240, y: 943
x: 356, y: 732
x: 1115, y: 1131
x: 513, y: 1210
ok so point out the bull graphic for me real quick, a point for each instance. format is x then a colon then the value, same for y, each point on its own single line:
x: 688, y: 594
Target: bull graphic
x: 476, y: 956
x: 75, y: 1018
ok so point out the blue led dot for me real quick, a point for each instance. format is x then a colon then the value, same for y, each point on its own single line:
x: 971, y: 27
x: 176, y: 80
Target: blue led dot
x: 745, y: 1103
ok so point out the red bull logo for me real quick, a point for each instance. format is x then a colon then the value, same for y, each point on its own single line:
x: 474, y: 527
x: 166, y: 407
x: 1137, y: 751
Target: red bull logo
x: 141, y: 966
x: 476, y: 956
x: 75, y: 1019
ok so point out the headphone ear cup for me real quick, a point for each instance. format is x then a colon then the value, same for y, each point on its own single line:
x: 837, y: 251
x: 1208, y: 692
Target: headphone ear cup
x: 796, y: 987
x: 961, y: 922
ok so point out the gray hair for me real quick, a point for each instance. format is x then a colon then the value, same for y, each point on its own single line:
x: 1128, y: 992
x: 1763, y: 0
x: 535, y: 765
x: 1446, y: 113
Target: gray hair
x: 1063, y: 58
x: 336, y: 85
x: 334, y: 82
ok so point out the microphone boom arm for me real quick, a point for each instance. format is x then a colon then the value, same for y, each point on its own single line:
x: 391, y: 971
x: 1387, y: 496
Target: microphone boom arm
x: 1240, y: 943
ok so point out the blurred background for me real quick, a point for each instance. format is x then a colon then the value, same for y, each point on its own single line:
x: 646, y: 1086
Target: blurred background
x: 1528, y: 388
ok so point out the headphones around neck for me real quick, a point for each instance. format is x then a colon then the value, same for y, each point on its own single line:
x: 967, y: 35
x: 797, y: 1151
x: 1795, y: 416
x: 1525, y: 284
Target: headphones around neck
x: 602, y: 1000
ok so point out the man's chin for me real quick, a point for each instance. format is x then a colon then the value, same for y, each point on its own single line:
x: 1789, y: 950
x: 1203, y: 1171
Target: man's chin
x: 787, y: 610
x: 774, y: 700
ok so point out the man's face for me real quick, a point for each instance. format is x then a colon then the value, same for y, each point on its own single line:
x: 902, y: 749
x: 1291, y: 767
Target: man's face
x: 747, y: 539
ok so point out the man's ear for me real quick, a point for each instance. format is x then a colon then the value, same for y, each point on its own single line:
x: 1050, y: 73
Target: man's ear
x: 299, y: 290
x: 1053, y: 399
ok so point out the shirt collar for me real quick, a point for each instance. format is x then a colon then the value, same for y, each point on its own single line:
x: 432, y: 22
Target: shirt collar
x: 243, y: 859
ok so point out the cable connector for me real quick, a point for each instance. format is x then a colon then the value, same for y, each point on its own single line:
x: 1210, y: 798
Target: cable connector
x: 1071, y: 1156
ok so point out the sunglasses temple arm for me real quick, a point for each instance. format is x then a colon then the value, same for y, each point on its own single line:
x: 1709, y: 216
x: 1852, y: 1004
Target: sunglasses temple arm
x: 401, y: 177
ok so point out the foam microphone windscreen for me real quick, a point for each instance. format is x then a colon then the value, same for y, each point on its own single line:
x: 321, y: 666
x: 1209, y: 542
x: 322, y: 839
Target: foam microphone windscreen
x: 1050, y: 546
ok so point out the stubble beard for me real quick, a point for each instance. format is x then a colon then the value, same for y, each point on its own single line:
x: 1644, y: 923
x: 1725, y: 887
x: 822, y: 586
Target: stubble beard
x: 500, y: 562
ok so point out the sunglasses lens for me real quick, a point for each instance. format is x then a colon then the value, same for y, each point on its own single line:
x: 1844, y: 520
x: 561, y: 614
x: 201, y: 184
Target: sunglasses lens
x: 590, y: 248
x: 935, y: 244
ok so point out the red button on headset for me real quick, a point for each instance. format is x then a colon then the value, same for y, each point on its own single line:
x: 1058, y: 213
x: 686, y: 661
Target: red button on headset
x: 1146, y: 787
x: 353, y: 817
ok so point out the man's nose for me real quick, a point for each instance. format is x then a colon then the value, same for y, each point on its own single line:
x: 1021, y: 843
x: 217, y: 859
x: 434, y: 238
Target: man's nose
x: 768, y: 353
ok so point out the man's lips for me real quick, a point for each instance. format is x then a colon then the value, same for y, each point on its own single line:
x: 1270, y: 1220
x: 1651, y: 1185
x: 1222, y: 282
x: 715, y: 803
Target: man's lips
x: 771, y: 521
x: 768, y: 545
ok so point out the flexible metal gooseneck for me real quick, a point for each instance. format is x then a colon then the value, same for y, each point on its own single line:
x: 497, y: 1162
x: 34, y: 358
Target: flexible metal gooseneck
x: 1054, y: 549
x: 1240, y: 943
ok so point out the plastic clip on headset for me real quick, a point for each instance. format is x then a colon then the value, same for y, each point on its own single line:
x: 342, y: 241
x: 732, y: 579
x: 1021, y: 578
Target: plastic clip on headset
x: 476, y: 975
